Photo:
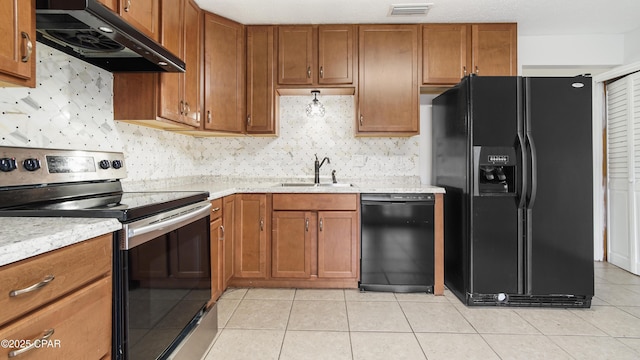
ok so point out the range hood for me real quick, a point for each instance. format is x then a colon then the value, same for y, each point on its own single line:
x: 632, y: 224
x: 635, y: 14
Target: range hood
x: 91, y: 32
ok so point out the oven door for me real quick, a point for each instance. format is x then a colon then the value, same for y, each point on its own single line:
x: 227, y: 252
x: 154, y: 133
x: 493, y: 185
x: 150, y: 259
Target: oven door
x: 162, y: 282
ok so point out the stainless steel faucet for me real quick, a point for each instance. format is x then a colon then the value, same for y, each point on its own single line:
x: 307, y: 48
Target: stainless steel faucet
x: 317, y: 165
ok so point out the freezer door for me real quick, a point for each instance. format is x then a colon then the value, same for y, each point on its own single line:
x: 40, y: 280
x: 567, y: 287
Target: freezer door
x: 559, y: 213
x: 495, y: 241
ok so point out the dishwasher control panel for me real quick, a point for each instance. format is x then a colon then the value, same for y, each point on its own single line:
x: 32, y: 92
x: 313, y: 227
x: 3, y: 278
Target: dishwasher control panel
x: 398, y: 197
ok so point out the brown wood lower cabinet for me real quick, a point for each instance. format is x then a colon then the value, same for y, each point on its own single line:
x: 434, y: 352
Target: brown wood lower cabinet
x: 252, y: 229
x: 338, y: 244
x: 314, y: 244
x: 308, y: 241
x: 293, y: 238
x: 72, y: 312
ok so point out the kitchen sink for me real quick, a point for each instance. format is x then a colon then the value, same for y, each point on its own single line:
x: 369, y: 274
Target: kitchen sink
x: 302, y: 184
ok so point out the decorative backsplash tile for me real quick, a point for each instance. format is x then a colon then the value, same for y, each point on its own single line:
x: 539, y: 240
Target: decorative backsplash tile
x: 72, y: 108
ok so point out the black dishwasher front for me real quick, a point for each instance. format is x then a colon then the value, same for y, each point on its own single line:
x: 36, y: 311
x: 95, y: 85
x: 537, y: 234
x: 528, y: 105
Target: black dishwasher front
x: 397, y: 242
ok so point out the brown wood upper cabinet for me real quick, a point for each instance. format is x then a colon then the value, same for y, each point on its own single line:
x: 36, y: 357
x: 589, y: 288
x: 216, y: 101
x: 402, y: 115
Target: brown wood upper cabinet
x: 171, y: 101
x: 452, y: 51
x: 224, y: 75
x: 18, y: 39
x: 388, y: 91
x: 144, y: 15
x: 315, y: 55
x: 181, y: 93
x: 261, y: 114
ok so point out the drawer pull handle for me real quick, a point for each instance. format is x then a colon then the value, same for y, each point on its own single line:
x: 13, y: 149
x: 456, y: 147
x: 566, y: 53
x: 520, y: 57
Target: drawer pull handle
x: 34, y: 287
x: 35, y: 343
x: 28, y: 46
x: 221, y: 232
x: 321, y: 224
x: 215, y: 209
x: 306, y: 224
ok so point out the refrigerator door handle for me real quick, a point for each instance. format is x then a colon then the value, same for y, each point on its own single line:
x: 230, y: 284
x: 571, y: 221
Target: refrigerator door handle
x: 524, y: 183
x: 534, y: 172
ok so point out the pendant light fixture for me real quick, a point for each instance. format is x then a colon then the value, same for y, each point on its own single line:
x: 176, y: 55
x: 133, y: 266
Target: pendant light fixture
x: 315, y: 107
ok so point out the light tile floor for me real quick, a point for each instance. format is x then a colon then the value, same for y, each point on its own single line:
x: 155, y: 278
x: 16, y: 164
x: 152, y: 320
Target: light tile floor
x: 299, y: 324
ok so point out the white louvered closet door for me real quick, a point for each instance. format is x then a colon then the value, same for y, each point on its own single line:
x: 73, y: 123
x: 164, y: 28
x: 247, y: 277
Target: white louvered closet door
x: 623, y: 173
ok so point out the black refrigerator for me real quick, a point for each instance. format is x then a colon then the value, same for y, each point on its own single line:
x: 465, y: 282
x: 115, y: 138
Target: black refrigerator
x: 515, y: 157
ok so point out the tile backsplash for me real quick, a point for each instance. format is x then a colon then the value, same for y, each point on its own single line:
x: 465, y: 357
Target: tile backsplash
x: 72, y: 107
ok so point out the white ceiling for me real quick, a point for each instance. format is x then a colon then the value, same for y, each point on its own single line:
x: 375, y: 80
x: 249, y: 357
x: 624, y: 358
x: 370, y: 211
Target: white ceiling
x: 534, y: 17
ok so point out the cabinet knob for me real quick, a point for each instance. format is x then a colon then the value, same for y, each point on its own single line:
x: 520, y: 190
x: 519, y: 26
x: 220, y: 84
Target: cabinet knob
x: 464, y: 71
x: 361, y: 119
x: 477, y: 70
x: 28, y: 47
x: 127, y: 7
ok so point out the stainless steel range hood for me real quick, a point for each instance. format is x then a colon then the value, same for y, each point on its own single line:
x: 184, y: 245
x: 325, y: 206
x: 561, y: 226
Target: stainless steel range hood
x: 91, y: 32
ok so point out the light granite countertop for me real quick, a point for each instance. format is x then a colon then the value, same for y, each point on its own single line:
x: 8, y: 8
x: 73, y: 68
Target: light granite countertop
x: 224, y: 187
x: 23, y: 237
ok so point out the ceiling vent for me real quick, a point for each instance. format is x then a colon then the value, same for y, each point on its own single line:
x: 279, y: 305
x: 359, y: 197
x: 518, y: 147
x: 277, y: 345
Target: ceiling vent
x: 409, y: 9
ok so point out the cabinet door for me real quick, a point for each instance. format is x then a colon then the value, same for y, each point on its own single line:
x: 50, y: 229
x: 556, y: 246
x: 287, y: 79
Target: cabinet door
x: 388, y: 84
x: 144, y: 15
x: 291, y: 243
x: 189, y: 251
x: 494, y: 49
x: 337, y: 244
x: 192, y: 39
x: 18, y: 39
x: 252, y: 228
x: 172, y: 84
x: 335, y: 54
x: 217, y: 259
x: 111, y: 4
x: 295, y: 55
x: 261, y: 118
x: 444, y: 53
x: 223, y: 74
x: 229, y: 231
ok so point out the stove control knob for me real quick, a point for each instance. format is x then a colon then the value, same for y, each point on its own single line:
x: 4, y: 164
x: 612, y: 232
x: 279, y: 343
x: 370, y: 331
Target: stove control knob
x: 7, y: 164
x: 31, y: 164
x: 104, y: 164
x: 117, y: 164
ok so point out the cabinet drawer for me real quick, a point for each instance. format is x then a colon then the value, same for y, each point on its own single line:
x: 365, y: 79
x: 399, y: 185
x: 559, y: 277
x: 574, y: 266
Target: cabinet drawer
x: 315, y: 201
x: 216, y: 209
x: 72, y: 267
x: 81, y: 324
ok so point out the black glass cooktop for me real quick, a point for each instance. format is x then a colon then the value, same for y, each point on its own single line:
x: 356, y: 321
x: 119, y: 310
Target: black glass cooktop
x: 126, y: 206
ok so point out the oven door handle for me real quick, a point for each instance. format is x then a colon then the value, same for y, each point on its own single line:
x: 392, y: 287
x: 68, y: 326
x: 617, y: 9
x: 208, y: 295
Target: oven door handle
x: 139, y: 235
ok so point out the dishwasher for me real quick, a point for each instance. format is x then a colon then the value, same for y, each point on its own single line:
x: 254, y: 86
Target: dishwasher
x: 397, y: 233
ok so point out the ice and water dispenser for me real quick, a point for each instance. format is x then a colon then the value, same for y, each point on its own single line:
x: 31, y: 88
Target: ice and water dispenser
x: 494, y: 170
